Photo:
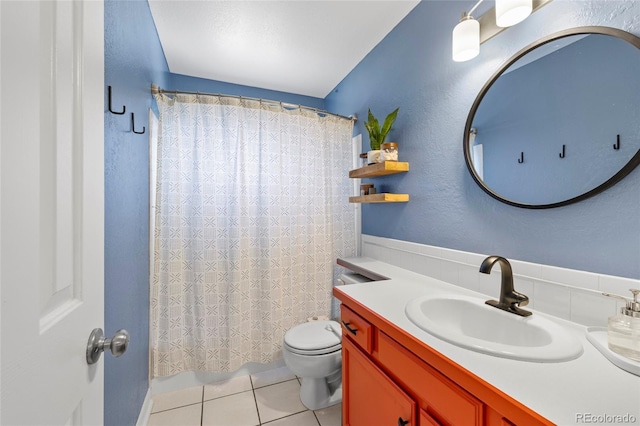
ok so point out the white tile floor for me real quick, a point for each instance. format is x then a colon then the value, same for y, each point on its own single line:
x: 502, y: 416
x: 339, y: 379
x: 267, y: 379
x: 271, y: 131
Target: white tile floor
x: 271, y: 398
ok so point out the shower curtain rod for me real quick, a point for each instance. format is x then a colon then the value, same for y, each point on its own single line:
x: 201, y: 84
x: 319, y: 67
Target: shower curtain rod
x: 156, y: 90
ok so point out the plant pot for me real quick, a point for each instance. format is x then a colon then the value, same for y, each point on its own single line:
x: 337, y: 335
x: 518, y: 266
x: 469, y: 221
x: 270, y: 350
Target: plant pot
x: 373, y: 156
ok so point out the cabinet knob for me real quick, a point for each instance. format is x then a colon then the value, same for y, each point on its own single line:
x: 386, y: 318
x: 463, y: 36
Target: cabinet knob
x: 352, y: 330
x: 402, y: 422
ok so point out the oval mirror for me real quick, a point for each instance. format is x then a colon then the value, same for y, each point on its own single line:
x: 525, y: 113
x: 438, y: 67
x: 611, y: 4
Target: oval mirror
x: 559, y: 122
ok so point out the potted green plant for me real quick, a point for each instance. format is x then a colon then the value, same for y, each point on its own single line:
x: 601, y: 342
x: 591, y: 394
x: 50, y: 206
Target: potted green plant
x: 377, y: 134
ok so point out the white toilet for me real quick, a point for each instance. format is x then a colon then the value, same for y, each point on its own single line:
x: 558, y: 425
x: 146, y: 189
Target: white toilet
x: 313, y: 352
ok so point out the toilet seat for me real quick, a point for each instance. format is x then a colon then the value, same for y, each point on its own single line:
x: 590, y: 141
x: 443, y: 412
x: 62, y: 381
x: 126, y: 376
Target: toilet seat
x: 314, y: 338
x: 324, y: 351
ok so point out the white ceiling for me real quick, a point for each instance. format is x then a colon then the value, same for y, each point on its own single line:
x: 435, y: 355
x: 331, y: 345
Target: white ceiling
x: 297, y: 46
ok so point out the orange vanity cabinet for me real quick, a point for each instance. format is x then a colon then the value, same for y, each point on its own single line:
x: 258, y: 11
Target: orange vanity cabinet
x: 391, y: 378
x: 373, y: 398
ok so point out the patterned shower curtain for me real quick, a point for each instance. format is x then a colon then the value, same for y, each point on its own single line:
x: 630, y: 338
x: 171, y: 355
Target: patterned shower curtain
x: 251, y: 213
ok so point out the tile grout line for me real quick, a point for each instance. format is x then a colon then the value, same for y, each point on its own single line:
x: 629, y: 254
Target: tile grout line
x: 288, y: 415
x: 255, y: 401
x: 253, y: 390
x: 276, y: 383
x: 202, y: 408
x: 226, y: 395
x: 316, y: 416
x: 175, y: 408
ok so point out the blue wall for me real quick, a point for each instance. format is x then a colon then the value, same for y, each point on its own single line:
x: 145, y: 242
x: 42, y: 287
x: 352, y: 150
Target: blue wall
x: 412, y: 69
x: 195, y: 84
x: 133, y: 60
x: 579, y: 96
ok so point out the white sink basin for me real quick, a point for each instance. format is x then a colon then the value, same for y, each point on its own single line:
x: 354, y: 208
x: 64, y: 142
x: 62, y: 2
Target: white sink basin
x: 469, y: 323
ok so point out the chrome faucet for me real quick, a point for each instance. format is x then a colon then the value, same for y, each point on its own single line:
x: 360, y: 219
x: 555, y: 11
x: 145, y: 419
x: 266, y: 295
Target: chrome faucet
x: 510, y: 300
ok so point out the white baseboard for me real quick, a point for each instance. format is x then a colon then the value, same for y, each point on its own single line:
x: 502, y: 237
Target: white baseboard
x: 145, y: 411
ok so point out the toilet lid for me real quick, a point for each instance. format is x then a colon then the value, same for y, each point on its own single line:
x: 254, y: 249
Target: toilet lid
x: 314, y: 335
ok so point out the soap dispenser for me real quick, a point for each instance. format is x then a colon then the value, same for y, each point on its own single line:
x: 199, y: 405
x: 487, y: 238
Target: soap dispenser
x: 624, y: 329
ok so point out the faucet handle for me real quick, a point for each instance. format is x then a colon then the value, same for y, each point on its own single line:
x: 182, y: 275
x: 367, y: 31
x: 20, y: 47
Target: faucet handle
x: 524, y: 301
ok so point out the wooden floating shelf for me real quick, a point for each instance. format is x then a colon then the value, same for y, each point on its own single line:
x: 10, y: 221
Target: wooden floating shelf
x: 380, y: 169
x: 380, y: 198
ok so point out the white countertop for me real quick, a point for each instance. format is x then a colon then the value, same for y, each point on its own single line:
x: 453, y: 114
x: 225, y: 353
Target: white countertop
x: 566, y: 393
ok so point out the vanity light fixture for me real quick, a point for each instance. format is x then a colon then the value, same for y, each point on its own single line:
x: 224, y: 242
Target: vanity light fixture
x: 510, y: 12
x: 466, y: 37
x: 470, y: 33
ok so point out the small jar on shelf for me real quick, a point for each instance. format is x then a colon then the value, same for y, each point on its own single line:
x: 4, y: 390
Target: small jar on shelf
x: 367, y: 189
x: 389, y: 151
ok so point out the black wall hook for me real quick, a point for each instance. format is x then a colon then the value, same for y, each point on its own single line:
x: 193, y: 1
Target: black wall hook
x: 133, y: 126
x: 562, y: 154
x: 521, y: 159
x: 124, y: 108
x: 616, y: 146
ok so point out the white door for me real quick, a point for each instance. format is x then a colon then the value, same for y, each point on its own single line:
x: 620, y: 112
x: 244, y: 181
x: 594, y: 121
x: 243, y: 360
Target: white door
x: 51, y: 210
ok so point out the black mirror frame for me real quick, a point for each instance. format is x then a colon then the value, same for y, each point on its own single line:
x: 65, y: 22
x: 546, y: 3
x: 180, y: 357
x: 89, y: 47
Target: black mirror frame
x: 624, y: 171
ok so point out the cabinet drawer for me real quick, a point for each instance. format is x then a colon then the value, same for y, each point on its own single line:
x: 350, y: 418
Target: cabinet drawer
x: 443, y: 400
x: 357, y: 328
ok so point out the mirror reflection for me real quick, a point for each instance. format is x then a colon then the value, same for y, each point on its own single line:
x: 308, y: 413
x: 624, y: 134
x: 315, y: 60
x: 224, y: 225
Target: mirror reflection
x: 559, y: 122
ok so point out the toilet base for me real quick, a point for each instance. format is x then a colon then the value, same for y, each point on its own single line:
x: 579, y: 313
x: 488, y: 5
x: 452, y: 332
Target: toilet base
x: 316, y: 394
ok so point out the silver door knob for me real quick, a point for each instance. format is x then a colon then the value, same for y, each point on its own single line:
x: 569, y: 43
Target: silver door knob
x: 98, y: 343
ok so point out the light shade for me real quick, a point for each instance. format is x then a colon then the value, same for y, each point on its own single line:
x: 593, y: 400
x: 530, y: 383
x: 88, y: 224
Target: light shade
x: 510, y: 12
x: 466, y: 39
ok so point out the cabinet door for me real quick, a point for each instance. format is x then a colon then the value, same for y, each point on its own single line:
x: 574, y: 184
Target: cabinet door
x: 493, y: 418
x: 369, y: 396
x: 427, y: 420
x: 445, y: 401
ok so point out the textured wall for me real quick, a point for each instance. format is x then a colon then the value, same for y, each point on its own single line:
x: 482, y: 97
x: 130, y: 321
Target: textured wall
x: 578, y: 96
x: 133, y: 60
x: 195, y: 84
x: 412, y: 69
